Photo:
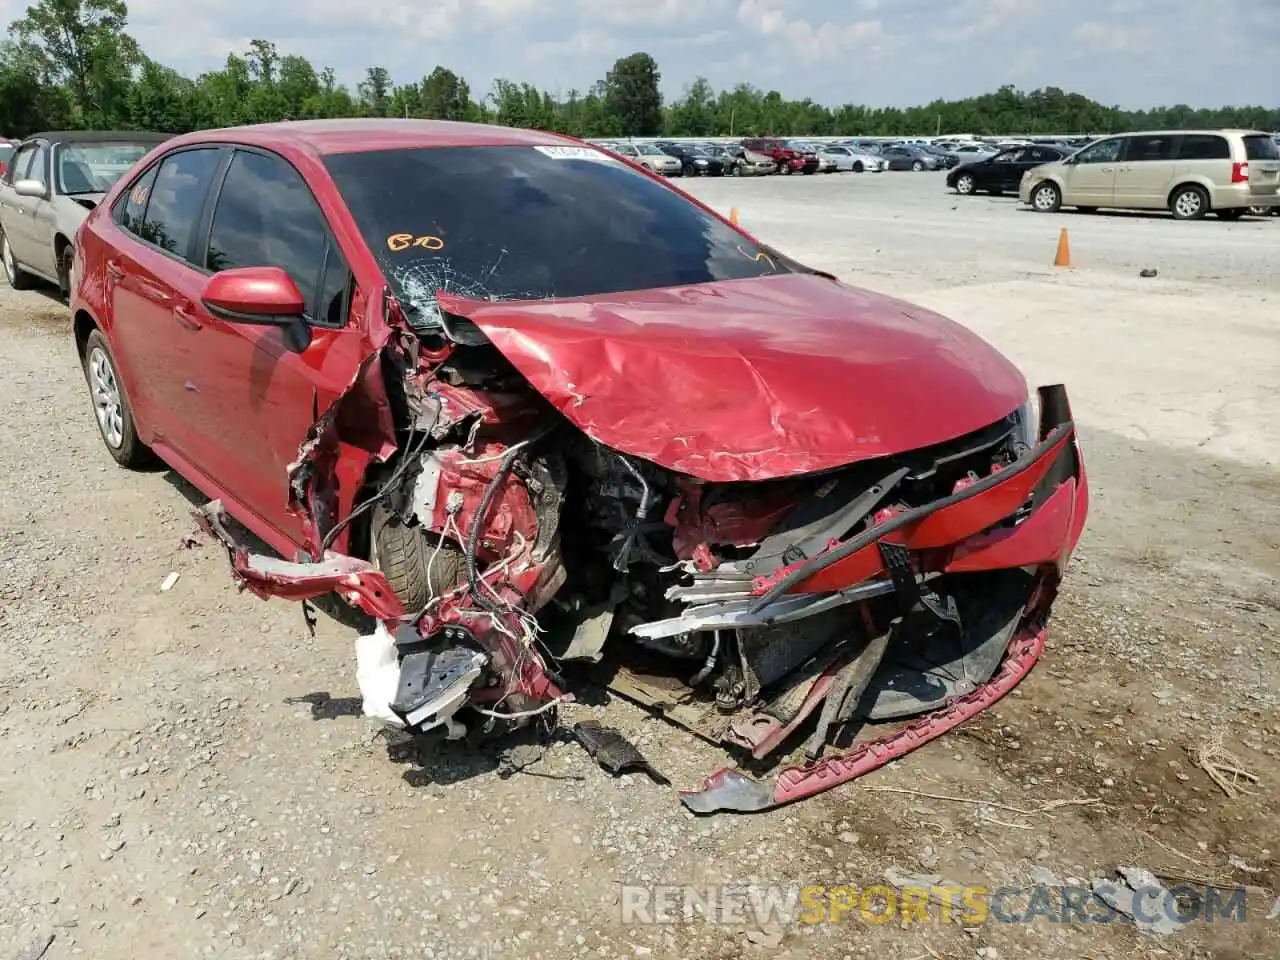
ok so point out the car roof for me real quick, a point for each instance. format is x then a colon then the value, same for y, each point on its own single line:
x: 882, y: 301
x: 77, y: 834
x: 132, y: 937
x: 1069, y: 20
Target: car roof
x: 101, y: 136
x: 364, y: 134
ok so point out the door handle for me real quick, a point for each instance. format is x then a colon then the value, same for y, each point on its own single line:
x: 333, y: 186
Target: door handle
x: 114, y: 271
x: 184, y: 316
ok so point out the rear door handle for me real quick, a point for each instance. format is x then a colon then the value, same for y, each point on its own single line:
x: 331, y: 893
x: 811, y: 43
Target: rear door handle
x: 182, y: 313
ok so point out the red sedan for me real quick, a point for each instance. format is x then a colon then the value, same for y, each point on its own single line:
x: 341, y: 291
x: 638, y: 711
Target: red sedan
x: 523, y: 403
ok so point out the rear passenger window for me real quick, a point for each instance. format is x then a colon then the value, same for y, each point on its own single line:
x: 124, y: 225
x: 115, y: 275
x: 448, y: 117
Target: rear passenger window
x: 1203, y: 146
x: 1159, y: 147
x: 131, y: 207
x: 267, y: 217
x: 1259, y: 147
x: 177, y: 198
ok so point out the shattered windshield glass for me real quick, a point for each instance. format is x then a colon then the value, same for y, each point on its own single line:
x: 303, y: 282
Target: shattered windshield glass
x: 529, y: 223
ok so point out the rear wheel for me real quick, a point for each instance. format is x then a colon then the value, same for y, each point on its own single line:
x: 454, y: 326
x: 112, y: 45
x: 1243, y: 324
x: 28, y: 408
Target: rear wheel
x: 917, y: 166
x: 857, y: 166
x: 1189, y: 203
x: 64, y: 269
x: 110, y: 405
x: 405, y: 554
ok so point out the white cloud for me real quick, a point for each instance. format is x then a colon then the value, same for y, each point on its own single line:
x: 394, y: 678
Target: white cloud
x: 864, y: 51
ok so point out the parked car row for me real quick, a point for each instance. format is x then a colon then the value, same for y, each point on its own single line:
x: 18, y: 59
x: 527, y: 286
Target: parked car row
x: 760, y: 156
x: 1191, y: 173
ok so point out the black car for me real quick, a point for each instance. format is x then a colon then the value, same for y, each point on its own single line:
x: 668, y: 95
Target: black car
x: 695, y: 161
x: 1002, y: 172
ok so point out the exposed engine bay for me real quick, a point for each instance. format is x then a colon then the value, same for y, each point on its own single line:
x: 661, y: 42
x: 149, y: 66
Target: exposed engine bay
x: 507, y: 555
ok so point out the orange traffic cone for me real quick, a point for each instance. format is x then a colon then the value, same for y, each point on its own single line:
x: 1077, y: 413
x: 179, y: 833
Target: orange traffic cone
x: 1063, y: 256
x: 733, y: 215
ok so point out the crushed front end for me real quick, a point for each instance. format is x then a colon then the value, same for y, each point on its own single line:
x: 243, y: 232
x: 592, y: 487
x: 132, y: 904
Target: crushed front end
x: 507, y: 553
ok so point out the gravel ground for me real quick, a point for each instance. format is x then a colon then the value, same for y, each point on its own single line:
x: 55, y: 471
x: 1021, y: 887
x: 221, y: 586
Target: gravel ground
x: 186, y: 773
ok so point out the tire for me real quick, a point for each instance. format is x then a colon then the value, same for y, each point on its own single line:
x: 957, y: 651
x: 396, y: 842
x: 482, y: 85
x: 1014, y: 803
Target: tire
x: 18, y: 278
x: 111, y: 408
x: 1046, y: 198
x: 64, y: 269
x: 917, y: 166
x: 1189, y: 202
x: 403, y: 554
x: 786, y: 169
x: 857, y: 166
x: 965, y: 184
x: 1260, y: 211
x: 1235, y: 213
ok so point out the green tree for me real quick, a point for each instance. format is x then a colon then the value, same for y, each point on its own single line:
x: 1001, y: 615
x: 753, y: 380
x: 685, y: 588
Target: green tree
x: 445, y: 96
x: 632, y: 96
x: 375, y: 92
x: 82, y: 43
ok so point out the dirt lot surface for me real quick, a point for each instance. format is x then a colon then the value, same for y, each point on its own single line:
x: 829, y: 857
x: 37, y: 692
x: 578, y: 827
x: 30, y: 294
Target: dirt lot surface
x: 187, y: 774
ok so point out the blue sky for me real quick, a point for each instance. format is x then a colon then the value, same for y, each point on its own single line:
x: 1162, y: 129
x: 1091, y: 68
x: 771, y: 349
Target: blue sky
x: 878, y: 52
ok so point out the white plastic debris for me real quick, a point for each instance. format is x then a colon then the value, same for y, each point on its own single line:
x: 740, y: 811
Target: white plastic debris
x: 378, y: 674
x: 169, y: 581
x: 1141, y: 897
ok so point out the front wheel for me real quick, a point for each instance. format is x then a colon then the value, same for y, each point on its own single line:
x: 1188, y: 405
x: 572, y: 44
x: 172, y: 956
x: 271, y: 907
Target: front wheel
x: 857, y: 166
x: 111, y: 407
x: 1046, y: 198
x: 418, y: 564
x: 917, y: 166
x: 18, y: 278
x: 1189, y: 203
x: 965, y: 184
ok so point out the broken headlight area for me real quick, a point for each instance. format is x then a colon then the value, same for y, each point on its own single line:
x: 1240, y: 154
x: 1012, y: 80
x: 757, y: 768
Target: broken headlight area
x: 510, y: 555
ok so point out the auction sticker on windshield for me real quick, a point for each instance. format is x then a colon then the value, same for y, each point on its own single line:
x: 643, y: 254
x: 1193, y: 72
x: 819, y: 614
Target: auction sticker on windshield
x: 575, y: 153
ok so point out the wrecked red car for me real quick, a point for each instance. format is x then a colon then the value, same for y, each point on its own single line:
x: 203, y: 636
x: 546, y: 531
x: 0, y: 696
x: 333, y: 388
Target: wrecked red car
x: 530, y: 407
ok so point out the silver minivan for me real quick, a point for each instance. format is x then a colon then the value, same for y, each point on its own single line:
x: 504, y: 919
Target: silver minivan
x: 1187, y: 172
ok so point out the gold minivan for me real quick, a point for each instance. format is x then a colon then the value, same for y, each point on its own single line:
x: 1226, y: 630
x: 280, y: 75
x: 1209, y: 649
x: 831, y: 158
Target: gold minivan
x: 1187, y: 172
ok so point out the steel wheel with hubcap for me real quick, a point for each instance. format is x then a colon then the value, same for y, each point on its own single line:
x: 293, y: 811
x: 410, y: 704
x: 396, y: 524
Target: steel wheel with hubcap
x: 964, y: 184
x: 1189, y: 203
x: 18, y: 278
x: 1046, y: 198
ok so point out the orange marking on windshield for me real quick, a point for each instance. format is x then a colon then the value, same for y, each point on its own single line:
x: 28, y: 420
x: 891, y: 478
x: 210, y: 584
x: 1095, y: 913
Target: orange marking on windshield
x: 403, y: 241
x: 761, y: 255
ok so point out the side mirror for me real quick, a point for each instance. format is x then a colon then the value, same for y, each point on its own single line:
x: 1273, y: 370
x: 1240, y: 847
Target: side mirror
x: 265, y: 296
x: 29, y: 188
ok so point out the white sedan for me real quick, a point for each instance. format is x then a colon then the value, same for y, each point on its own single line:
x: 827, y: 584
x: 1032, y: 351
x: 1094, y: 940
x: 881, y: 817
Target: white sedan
x: 850, y: 158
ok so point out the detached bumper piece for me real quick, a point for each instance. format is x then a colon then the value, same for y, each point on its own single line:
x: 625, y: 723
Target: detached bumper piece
x: 997, y: 546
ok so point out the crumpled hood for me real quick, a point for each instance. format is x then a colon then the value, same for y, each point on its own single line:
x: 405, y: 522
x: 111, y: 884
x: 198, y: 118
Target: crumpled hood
x: 752, y: 379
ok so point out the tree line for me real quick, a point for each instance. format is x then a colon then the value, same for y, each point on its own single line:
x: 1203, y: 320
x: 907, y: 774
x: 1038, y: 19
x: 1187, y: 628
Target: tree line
x: 72, y: 64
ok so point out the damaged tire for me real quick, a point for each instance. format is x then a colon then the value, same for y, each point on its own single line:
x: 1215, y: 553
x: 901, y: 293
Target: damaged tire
x: 111, y: 407
x: 405, y: 554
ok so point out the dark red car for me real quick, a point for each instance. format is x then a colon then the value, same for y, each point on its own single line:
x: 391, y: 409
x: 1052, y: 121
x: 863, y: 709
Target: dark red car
x: 788, y: 159
x: 524, y: 403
